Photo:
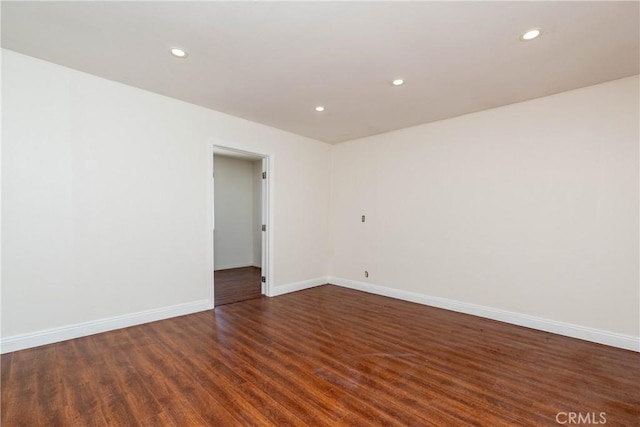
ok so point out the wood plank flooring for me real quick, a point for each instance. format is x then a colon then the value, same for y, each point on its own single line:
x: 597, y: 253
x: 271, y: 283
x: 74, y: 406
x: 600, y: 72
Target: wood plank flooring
x: 326, y: 356
x: 237, y: 284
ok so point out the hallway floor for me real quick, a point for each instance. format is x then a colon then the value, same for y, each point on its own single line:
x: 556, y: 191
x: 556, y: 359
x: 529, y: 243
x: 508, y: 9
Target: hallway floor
x: 237, y: 284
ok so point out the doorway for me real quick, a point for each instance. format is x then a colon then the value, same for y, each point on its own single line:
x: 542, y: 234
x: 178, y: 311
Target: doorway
x: 239, y: 217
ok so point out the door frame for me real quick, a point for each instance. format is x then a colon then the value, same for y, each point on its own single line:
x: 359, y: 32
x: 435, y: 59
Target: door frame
x: 267, y: 216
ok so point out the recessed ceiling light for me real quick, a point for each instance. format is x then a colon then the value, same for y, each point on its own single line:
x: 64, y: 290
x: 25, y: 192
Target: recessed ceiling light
x: 533, y: 33
x: 398, y: 82
x: 177, y: 52
x: 319, y: 108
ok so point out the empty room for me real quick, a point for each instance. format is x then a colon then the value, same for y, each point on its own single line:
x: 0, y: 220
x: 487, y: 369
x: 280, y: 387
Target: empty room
x: 255, y: 213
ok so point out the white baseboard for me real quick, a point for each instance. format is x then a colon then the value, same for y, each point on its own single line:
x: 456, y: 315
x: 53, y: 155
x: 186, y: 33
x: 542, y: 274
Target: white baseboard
x: 230, y: 266
x: 49, y: 336
x: 298, y: 286
x: 627, y: 342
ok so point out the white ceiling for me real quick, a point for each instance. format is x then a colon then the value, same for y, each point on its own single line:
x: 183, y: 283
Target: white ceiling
x: 273, y: 62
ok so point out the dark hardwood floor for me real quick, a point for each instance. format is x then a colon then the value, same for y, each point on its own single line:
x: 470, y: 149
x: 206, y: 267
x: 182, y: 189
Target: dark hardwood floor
x: 325, y: 356
x: 237, y: 284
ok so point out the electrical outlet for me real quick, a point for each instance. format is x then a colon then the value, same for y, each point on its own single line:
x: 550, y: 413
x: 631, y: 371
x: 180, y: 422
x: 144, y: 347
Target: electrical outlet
x: 366, y: 273
x: 363, y: 218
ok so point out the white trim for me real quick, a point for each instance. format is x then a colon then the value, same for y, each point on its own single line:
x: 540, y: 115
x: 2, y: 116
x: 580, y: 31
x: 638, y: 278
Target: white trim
x: 49, y: 336
x: 297, y: 286
x: 627, y: 342
x: 210, y: 226
x: 231, y: 266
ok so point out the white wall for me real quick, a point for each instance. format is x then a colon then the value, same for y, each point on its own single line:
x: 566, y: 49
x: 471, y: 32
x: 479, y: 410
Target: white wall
x: 106, y: 199
x: 234, y: 216
x: 257, y: 213
x: 530, y: 208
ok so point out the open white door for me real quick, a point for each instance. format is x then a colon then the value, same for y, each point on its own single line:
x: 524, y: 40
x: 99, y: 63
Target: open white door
x: 265, y: 229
